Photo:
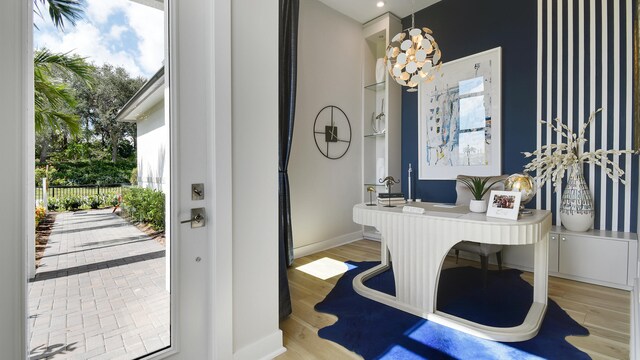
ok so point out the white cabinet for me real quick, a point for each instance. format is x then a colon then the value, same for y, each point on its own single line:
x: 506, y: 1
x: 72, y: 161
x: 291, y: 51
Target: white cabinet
x: 608, y: 260
x: 599, y: 257
x: 381, y: 112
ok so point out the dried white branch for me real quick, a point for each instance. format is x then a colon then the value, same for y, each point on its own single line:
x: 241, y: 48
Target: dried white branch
x: 553, y: 160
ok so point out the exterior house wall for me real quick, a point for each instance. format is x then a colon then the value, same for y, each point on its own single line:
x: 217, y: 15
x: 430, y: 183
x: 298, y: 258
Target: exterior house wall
x: 153, y: 150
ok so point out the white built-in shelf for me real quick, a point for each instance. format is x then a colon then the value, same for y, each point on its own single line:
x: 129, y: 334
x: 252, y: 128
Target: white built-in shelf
x: 376, y: 87
x: 381, y: 154
x: 375, y: 135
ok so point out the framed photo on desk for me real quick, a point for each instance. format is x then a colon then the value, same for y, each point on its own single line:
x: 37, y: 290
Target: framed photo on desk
x: 504, y: 204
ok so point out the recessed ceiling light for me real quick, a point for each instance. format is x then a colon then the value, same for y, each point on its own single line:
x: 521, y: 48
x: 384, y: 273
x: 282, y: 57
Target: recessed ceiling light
x: 380, y: 4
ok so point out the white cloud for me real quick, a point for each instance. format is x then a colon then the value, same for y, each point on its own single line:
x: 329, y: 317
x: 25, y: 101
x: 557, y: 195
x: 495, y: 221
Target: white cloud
x: 100, y: 10
x: 140, y: 58
x: 86, y: 40
x: 148, y: 24
x: 116, y: 31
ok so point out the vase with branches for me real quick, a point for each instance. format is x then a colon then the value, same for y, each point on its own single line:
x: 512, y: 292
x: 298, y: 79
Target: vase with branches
x: 551, y: 162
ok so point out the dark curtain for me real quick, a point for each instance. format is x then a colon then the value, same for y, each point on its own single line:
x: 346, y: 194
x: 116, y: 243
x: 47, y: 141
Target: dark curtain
x: 287, y: 107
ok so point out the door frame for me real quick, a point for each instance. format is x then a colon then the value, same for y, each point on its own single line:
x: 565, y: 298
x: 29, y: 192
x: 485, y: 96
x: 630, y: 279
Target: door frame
x: 16, y: 217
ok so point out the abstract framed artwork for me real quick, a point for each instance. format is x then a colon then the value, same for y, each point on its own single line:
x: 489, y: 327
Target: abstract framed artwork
x: 459, y: 117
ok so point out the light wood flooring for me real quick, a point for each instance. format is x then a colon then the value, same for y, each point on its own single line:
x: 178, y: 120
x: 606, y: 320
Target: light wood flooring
x: 604, y: 311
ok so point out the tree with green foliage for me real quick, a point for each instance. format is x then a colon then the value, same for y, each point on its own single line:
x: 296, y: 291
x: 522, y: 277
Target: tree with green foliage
x: 98, y: 106
x: 61, y: 10
x: 53, y: 98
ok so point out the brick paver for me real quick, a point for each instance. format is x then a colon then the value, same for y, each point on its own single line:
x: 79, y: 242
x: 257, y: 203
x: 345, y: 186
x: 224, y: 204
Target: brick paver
x: 99, y: 292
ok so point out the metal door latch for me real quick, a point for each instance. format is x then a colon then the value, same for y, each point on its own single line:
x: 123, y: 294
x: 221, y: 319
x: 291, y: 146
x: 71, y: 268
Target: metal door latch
x: 197, y: 191
x: 198, y: 218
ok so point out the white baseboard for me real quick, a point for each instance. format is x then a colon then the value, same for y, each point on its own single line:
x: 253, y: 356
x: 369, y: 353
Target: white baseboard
x: 266, y: 348
x: 326, y: 244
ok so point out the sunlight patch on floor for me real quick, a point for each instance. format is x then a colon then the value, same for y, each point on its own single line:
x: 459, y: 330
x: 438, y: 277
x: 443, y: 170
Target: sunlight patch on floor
x: 325, y: 268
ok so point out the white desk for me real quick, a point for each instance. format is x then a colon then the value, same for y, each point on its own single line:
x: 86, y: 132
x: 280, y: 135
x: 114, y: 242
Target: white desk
x: 418, y: 244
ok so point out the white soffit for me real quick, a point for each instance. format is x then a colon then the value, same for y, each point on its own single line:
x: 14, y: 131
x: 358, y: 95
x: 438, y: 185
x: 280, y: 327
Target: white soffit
x: 157, y: 4
x: 365, y: 10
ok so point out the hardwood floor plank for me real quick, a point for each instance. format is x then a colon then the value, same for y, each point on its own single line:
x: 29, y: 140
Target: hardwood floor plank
x: 605, y: 312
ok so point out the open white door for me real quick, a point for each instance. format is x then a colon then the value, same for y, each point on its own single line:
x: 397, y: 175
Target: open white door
x: 241, y: 233
x: 201, y: 153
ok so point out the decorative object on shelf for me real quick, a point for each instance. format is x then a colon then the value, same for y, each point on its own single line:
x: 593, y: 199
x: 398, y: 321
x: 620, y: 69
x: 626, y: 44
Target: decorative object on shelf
x: 389, y: 181
x: 478, y: 187
x: 552, y: 161
x: 523, y: 183
x: 378, y: 122
x: 504, y: 204
x: 409, y: 180
x: 411, y: 57
x: 371, y: 190
x: 459, y: 119
x: 332, y: 129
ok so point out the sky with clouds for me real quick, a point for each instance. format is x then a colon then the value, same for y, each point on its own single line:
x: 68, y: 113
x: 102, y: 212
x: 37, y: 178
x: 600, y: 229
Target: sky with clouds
x: 118, y: 32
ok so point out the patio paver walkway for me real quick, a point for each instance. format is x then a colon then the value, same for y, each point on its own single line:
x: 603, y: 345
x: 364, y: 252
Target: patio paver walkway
x: 99, y: 292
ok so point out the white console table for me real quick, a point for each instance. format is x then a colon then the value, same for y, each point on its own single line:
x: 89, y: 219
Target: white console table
x: 418, y: 244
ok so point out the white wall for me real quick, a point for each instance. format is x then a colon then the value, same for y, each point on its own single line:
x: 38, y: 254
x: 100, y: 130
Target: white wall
x: 254, y: 53
x: 324, y: 191
x: 153, y: 151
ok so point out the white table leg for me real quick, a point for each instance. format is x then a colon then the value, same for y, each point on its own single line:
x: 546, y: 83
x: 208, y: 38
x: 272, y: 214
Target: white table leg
x: 541, y: 270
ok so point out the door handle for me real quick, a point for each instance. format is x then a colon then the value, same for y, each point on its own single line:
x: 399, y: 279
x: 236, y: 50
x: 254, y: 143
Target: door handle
x: 198, y: 218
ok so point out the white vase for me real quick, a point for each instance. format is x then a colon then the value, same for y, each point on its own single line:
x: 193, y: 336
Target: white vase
x: 576, y: 208
x: 478, y: 206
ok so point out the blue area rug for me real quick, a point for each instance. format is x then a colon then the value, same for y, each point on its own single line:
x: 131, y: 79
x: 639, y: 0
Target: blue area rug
x: 377, y: 331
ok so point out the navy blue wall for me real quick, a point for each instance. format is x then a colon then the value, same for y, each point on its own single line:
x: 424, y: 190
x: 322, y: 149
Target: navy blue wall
x: 466, y: 27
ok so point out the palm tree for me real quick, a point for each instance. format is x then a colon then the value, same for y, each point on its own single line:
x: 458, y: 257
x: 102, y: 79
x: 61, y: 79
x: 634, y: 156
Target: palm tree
x: 53, y: 99
x: 61, y: 10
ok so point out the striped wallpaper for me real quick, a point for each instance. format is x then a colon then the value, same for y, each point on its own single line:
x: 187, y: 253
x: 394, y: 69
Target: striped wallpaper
x: 585, y: 63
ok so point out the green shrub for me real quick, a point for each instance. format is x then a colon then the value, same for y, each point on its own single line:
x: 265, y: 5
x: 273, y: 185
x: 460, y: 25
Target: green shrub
x: 53, y: 204
x: 144, y: 205
x: 95, y: 201
x: 51, y: 173
x: 113, y: 200
x: 72, y: 202
x: 85, y: 172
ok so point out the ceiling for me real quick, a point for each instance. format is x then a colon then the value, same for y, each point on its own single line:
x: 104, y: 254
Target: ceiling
x: 365, y: 10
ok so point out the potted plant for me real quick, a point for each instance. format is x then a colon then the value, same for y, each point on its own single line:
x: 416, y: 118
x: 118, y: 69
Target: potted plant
x: 478, y: 187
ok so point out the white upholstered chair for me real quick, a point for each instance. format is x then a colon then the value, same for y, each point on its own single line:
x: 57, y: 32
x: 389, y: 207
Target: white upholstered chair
x: 463, y: 197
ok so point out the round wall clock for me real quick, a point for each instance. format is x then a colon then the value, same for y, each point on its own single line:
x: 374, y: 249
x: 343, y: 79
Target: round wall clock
x: 332, y: 132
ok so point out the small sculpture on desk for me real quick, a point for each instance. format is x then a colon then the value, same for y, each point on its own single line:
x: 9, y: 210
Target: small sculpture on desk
x: 525, y: 184
x: 389, y: 181
x: 371, y: 190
